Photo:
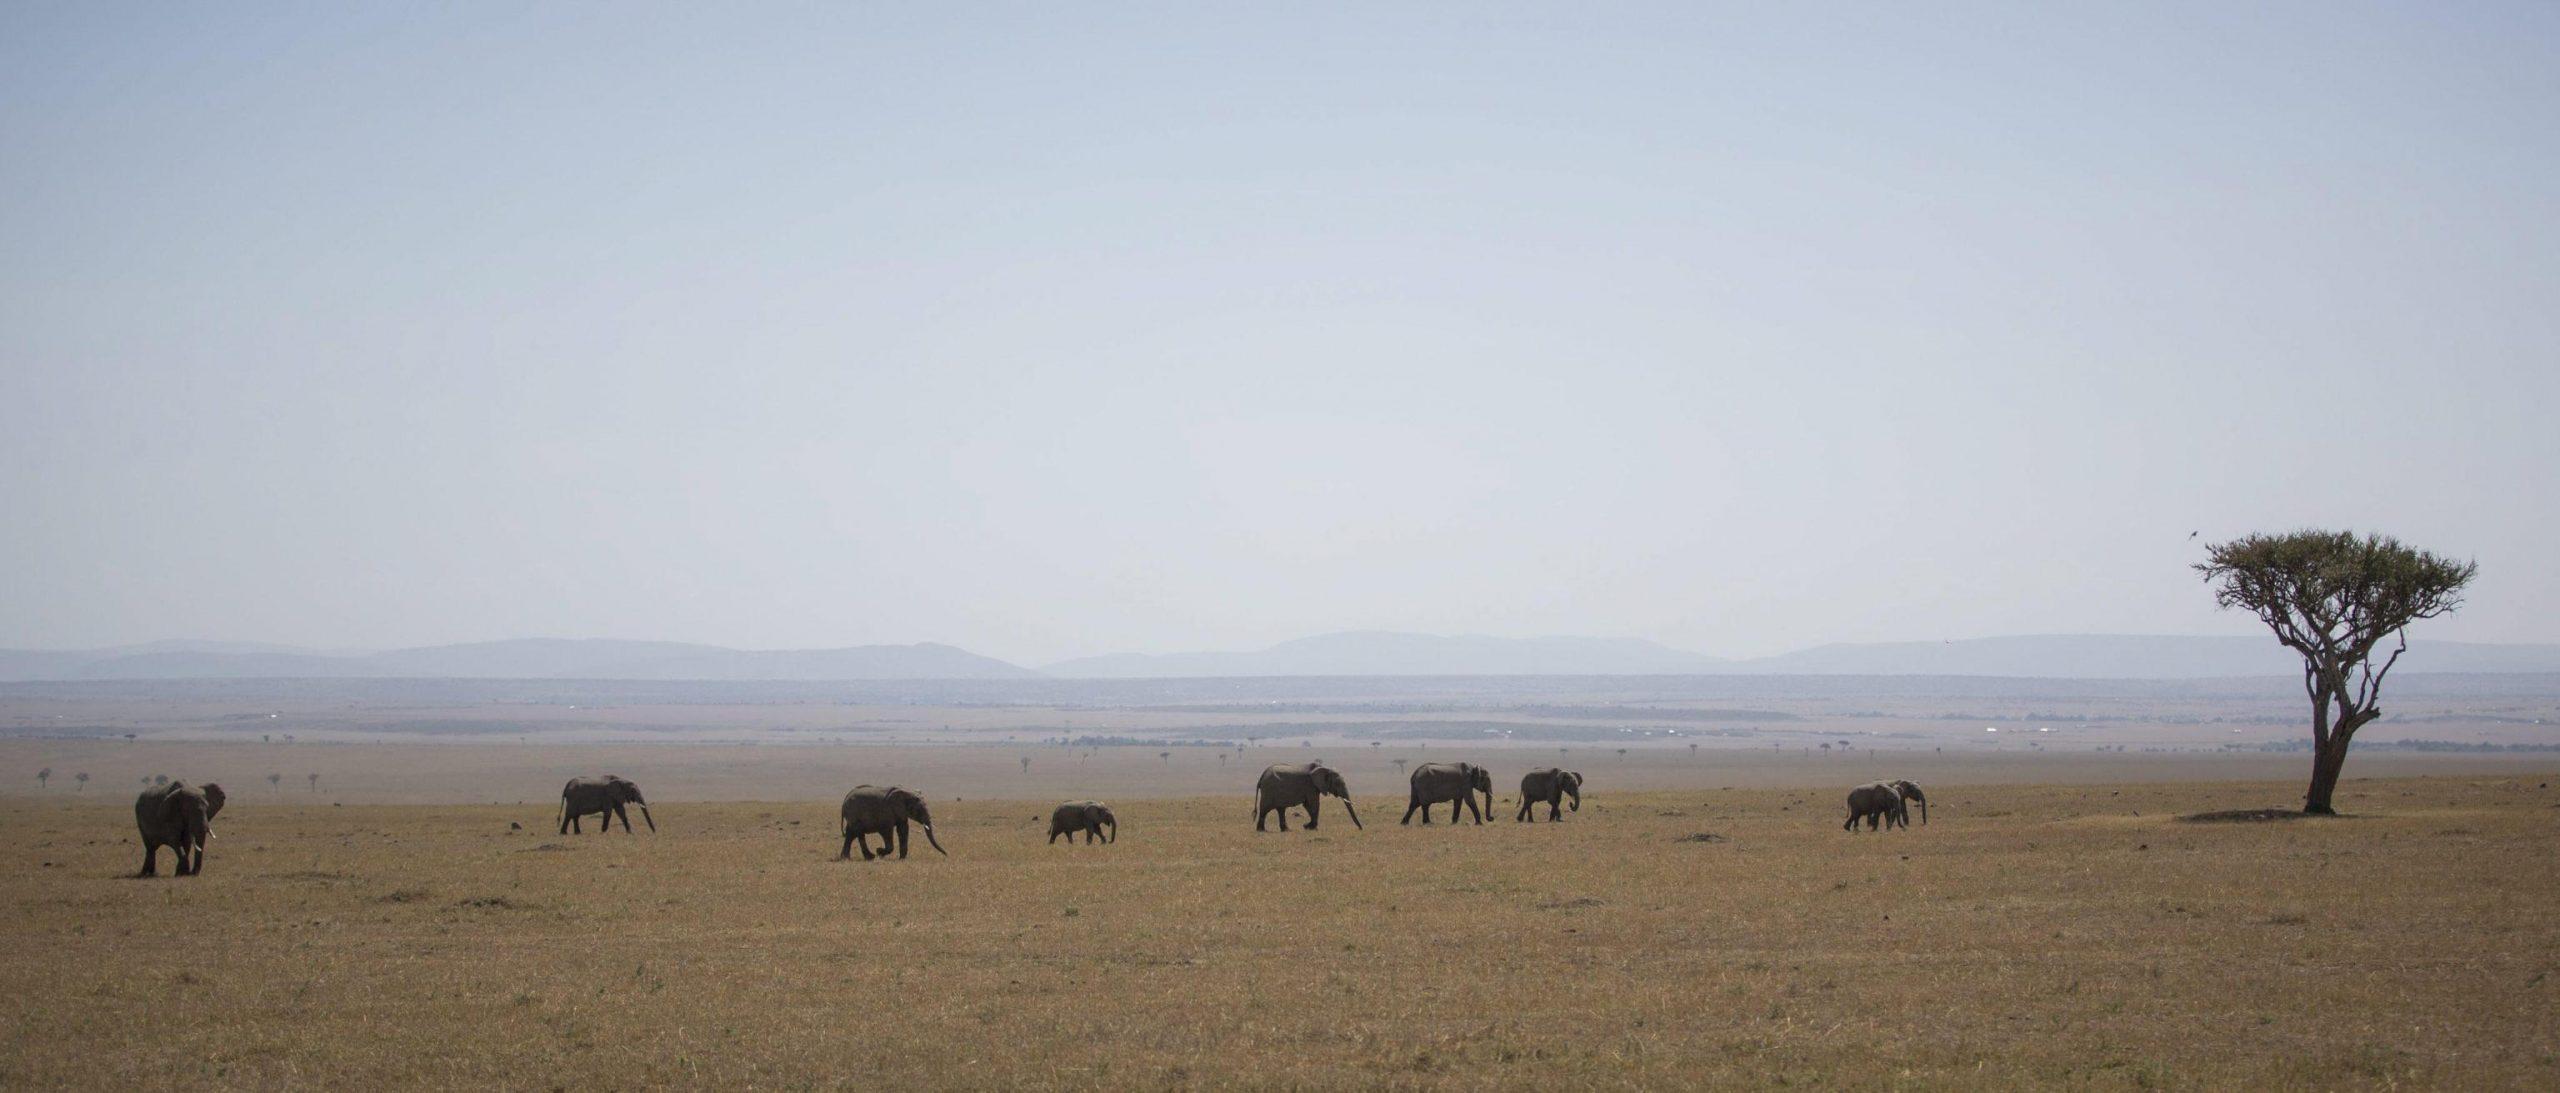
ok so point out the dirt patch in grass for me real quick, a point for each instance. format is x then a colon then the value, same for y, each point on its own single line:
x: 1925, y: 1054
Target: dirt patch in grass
x: 2245, y: 816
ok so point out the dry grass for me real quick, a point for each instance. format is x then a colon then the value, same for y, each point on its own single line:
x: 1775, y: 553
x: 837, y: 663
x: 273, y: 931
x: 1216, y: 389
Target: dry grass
x: 2030, y: 936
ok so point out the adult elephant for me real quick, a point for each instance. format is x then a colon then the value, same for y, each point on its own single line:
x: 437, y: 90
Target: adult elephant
x: 1300, y: 785
x: 607, y: 795
x: 1455, y: 783
x: 1550, y: 787
x: 1089, y: 817
x: 178, y: 816
x: 1877, y: 803
x: 884, y: 811
x: 1909, y: 791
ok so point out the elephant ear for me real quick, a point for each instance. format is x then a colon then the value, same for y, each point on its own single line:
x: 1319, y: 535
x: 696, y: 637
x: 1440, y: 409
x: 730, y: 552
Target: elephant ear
x: 213, y: 798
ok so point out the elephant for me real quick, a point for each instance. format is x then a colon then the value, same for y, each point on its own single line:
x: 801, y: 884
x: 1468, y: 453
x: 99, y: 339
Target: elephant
x: 1299, y: 785
x: 180, y: 817
x: 1548, y: 786
x: 1089, y: 817
x: 875, y: 810
x: 1910, y: 792
x: 606, y: 795
x: 1456, y: 783
x: 1883, y: 802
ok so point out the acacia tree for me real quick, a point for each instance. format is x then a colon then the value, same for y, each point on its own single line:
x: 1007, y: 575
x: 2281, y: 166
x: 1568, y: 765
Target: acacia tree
x: 2333, y: 596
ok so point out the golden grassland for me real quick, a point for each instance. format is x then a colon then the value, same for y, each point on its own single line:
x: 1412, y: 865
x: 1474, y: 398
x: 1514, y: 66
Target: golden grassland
x: 2028, y: 936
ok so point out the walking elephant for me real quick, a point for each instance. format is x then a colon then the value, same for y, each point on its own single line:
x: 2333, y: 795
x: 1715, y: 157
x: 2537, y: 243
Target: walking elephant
x: 1910, y: 792
x: 884, y: 811
x: 1089, y: 817
x: 1456, y: 783
x: 1299, y: 785
x: 1880, y: 803
x: 180, y: 817
x: 606, y: 795
x: 1548, y: 786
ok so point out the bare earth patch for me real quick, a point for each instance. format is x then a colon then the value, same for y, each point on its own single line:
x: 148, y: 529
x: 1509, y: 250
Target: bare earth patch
x: 2246, y: 816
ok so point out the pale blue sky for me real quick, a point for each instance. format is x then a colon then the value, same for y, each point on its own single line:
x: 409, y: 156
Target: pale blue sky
x: 1049, y: 332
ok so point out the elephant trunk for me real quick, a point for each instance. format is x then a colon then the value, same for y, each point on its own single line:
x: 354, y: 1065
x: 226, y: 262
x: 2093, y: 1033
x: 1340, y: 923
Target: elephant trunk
x: 1924, y: 811
x: 933, y: 842
x: 1115, y: 831
x: 652, y: 821
x: 1355, y: 813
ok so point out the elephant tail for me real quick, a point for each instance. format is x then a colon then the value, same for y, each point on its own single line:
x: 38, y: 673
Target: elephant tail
x: 563, y: 817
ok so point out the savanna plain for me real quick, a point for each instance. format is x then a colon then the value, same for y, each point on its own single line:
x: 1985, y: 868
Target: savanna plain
x: 2027, y: 935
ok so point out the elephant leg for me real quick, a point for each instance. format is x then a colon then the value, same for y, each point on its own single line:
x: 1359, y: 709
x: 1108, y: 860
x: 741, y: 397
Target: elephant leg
x: 564, y: 819
x: 150, y: 859
x: 864, y: 841
x: 1053, y: 836
x: 1475, y: 810
x: 1522, y: 815
x: 847, y: 850
x: 575, y: 827
x: 1314, y: 804
x: 902, y: 841
x: 1410, y: 805
x: 1284, y: 819
x: 1852, y: 823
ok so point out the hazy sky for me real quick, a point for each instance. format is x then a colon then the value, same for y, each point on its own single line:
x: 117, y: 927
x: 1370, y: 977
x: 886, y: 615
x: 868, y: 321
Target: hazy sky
x: 1049, y: 332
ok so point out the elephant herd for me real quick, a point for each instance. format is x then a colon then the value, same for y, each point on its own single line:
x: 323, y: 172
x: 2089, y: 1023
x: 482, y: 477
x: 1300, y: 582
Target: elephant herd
x: 180, y: 816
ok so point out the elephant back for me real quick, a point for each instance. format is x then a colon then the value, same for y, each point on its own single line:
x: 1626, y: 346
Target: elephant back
x: 871, y: 808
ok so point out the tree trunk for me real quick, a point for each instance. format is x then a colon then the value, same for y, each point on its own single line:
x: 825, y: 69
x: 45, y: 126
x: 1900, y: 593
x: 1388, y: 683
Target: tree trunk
x: 2327, y: 759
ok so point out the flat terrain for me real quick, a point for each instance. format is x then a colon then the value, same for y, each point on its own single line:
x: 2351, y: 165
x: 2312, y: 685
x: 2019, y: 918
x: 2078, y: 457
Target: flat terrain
x: 2030, y: 935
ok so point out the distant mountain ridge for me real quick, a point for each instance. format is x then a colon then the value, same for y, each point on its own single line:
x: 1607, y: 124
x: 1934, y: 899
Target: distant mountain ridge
x: 531, y: 658
x: 1388, y: 653
x: 2052, y: 656
x: 1350, y: 653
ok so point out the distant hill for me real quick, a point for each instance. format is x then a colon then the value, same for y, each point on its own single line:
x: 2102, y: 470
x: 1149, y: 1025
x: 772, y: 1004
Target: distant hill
x: 1383, y: 653
x: 534, y: 658
x: 2055, y: 656
x: 1352, y: 653
x: 2124, y: 656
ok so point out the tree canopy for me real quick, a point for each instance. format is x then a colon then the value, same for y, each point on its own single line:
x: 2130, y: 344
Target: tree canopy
x: 2333, y: 596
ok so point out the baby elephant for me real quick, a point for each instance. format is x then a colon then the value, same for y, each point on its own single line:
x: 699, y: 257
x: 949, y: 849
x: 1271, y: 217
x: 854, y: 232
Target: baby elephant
x: 1548, y: 786
x: 180, y: 817
x: 1089, y: 817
